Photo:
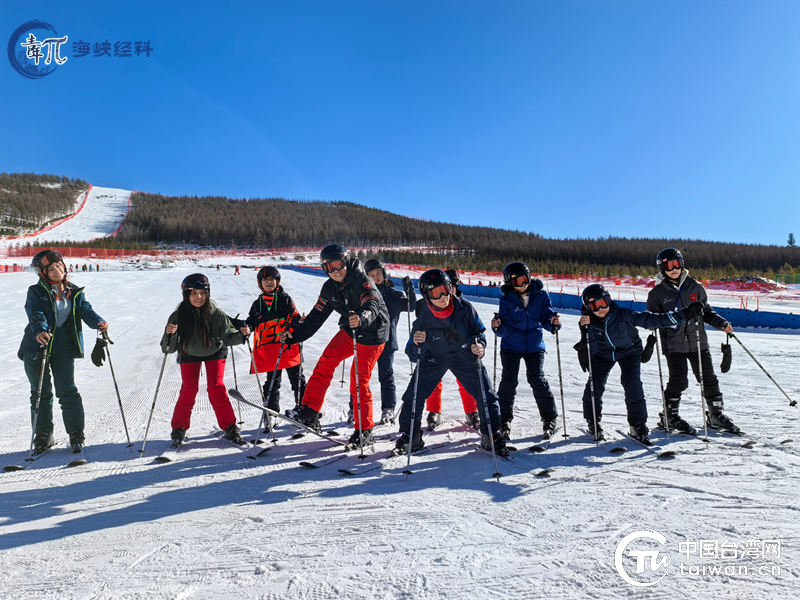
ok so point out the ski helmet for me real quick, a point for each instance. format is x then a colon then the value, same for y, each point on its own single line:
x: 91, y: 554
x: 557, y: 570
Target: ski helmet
x: 669, y: 257
x: 431, y: 281
x: 595, y: 297
x: 516, y: 274
x: 453, y: 275
x: 45, y: 258
x: 195, y: 281
x: 269, y: 271
x: 333, y: 257
x: 372, y: 264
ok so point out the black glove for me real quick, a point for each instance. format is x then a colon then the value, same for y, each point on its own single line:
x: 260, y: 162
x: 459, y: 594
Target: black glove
x: 583, y: 358
x: 647, y: 353
x: 237, y: 322
x: 694, y: 310
x: 408, y: 287
x: 99, y: 352
x: 726, y: 357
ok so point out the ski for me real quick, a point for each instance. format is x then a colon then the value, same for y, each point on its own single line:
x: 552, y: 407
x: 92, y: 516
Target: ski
x: 360, y: 469
x: 324, y: 435
x: 321, y: 463
x: 651, y: 447
x: 77, y: 458
x: 28, y: 461
x: 170, y: 453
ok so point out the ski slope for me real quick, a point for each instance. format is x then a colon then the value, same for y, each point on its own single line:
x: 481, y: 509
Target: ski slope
x: 215, y: 524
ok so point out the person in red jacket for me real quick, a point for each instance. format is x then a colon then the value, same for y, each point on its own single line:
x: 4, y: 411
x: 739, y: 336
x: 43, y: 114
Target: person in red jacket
x: 354, y: 296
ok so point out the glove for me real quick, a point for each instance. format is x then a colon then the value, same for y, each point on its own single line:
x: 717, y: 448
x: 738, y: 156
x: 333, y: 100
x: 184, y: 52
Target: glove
x: 237, y: 322
x: 583, y: 358
x: 99, y: 352
x: 726, y: 357
x: 408, y: 287
x: 694, y: 310
x: 647, y: 353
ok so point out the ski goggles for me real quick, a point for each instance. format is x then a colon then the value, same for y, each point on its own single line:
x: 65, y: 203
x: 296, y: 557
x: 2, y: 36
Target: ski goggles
x: 668, y: 265
x: 597, y: 304
x: 336, y: 264
x: 48, y: 258
x: 440, y: 291
x: 520, y: 280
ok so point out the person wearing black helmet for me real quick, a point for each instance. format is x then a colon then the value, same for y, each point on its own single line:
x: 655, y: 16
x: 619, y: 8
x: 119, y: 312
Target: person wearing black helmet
x: 396, y: 302
x: 525, y: 311
x: 354, y: 296
x: 447, y: 335
x: 52, y: 341
x: 610, y: 331
x: 270, y: 314
x: 200, y: 332
x: 676, y: 289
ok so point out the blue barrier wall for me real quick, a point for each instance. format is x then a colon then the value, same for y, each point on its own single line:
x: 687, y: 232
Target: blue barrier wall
x: 738, y: 317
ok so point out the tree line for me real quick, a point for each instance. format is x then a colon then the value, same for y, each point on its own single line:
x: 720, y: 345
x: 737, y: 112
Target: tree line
x: 29, y: 201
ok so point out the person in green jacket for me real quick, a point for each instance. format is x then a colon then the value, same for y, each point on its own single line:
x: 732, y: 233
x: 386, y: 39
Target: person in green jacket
x: 201, y: 332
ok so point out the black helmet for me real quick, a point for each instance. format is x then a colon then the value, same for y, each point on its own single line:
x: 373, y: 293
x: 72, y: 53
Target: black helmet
x: 453, y: 275
x: 432, y: 279
x: 664, y: 257
x: 513, y: 270
x: 372, y: 264
x: 265, y: 272
x: 331, y: 254
x: 45, y: 258
x: 596, y: 296
x: 195, y: 281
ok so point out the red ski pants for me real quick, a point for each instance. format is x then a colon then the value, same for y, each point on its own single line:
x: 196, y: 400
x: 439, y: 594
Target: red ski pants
x: 434, y: 401
x: 217, y: 394
x: 337, y: 350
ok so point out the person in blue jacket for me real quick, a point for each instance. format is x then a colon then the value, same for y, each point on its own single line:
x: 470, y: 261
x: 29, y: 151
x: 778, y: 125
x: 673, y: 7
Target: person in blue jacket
x: 610, y: 331
x: 447, y: 335
x: 525, y: 311
x: 55, y: 309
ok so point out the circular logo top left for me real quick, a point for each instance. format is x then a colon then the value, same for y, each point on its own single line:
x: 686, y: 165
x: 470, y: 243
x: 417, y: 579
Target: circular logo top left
x: 35, y: 49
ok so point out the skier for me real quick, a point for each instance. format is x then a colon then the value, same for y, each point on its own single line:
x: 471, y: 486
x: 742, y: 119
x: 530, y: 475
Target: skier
x: 396, y: 302
x: 613, y: 338
x: 525, y: 310
x: 447, y: 336
x: 354, y: 296
x: 269, y: 316
x: 203, y: 334
x: 51, y: 342
x: 675, y: 289
x: 433, y: 404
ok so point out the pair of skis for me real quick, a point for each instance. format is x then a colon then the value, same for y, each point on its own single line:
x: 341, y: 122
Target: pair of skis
x: 76, y: 459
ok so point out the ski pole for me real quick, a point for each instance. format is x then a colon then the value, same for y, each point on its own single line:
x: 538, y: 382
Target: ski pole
x: 585, y: 333
x: 158, y: 385
x: 236, y: 382
x: 44, y: 355
x: 264, y: 416
x: 791, y: 402
x: 497, y: 474
x: 561, y: 383
x: 700, y: 371
x: 341, y: 383
x: 116, y: 388
x: 358, y: 393
x: 661, y: 386
x: 408, y: 314
x: 494, y: 371
x: 413, y: 412
x: 298, y: 393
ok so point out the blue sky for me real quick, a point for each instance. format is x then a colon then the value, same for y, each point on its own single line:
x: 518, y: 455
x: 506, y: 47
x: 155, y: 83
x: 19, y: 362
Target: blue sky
x: 565, y: 118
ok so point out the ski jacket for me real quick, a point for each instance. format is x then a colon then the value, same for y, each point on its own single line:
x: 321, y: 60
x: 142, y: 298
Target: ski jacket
x: 356, y: 293
x: 615, y: 337
x: 223, y: 334
x: 41, y: 310
x: 448, y: 337
x: 667, y: 296
x: 269, y: 316
x: 396, y: 302
x: 521, y: 326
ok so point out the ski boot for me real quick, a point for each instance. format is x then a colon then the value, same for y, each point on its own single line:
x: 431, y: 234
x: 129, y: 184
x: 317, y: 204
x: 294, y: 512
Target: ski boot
x: 639, y: 431
x: 358, y: 441
x: 473, y: 420
x: 308, y: 417
x: 401, y: 446
x: 42, y: 442
x: 549, y: 427
x: 434, y: 420
x: 505, y: 430
x: 76, y: 440
x: 178, y: 435
x: 350, y: 415
x: 674, y: 419
x: 233, y: 434
x: 387, y: 416
x: 500, y: 447
x: 716, y: 419
x: 599, y: 435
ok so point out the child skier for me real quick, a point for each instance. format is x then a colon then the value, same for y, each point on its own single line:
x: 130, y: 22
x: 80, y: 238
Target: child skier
x: 269, y: 316
x: 51, y: 342
x: 201, y: 332
x: 447, y: 336
x: 613, y: 338
x: 525, y: 310
x: 354, y: 296
x: 674, y: 290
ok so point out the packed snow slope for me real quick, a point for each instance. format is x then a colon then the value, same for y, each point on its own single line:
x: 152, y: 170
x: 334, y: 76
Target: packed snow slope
x: 215, y: 524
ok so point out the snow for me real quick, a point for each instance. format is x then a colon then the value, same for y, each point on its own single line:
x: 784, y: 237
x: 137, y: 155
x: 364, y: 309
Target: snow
x: 215, y: 524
